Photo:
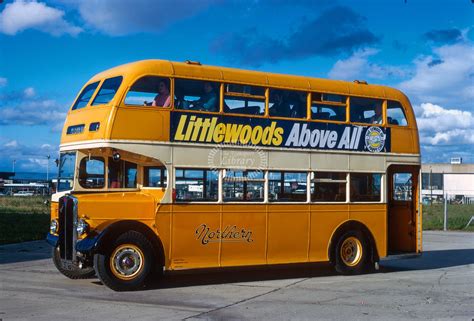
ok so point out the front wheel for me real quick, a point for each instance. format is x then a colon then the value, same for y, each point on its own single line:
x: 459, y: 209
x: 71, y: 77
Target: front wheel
x: 352, y: 253
x: 126, y: 265
x: 69, y: 270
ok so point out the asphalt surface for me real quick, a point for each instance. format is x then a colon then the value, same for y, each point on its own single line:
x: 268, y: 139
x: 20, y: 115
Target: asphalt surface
x: 436, y: 286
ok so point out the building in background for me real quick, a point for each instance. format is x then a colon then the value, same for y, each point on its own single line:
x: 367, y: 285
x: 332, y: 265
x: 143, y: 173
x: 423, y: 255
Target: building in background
x: 455, y: 181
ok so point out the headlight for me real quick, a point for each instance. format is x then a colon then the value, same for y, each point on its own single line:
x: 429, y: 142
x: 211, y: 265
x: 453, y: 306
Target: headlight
x: 53, y: 227
x: 82, y: 227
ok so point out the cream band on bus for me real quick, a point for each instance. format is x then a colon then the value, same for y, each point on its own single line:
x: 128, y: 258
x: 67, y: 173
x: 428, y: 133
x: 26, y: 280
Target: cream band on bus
x: 168, y: 166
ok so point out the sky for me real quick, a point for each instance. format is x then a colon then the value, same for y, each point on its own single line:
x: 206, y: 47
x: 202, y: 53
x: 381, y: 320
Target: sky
x: 50, y: 48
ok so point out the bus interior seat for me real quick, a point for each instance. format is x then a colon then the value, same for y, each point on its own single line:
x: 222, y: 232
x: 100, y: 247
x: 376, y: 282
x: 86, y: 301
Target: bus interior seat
x: 250, y: 110
x: 392, y: 121
x: 323, y: 115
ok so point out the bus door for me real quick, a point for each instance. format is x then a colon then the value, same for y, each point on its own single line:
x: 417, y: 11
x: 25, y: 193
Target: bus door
x: 402, y: 210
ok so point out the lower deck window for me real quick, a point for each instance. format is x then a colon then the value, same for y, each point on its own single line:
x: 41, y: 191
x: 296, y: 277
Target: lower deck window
x: 328, y: 187
x: 155, y: 177
x: 92, y: 172
x: 196, y: 185
x: 365, y: 187
x: 287, y: 186
x: 122, y: 174
x: 243, y: 186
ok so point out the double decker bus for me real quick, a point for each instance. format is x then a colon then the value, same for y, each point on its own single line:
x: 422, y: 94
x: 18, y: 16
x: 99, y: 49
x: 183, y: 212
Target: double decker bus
x: 169, y: 166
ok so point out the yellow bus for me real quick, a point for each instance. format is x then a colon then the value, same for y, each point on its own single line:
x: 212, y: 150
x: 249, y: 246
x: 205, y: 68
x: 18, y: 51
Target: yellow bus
x: 168, y: 166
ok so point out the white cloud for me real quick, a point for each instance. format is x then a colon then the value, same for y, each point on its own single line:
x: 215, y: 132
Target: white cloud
x: 440, y: 126
x: 28, y: 108
x: 29, y: 92
x: 3, y: 81
x: 445, y: 77
x: 12, y: 143
x: 358, y: 66
x: 30, y: 158
x: 21, y: 15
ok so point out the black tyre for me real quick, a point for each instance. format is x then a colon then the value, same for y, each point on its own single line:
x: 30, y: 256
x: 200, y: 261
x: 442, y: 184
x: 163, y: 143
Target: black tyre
x: 127, y: 263
x: 71, y: 271
x: 352, y: 253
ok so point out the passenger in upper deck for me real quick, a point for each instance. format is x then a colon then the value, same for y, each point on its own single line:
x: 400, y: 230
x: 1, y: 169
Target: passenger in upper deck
x: 377, y: 117
x: 280, y: 106
x: 208, y: 101
x: 163, y: 99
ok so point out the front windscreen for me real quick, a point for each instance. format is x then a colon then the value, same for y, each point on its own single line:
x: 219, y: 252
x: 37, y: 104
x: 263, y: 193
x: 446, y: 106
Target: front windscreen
x: 67, y: 163
x: 85, y: 96
x: 107, y: 91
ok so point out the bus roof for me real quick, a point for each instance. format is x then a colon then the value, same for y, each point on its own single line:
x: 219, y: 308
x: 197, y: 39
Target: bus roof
x: 200, y: 71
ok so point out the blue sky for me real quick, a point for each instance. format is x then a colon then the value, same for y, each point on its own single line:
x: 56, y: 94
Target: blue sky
x: 49, y: 49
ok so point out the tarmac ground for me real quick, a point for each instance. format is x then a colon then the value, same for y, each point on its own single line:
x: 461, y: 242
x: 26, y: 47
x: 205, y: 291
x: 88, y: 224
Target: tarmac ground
x: 439, y: 285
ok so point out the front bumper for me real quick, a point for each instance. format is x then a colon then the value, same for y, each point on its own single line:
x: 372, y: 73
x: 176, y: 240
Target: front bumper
x: 85, y: 246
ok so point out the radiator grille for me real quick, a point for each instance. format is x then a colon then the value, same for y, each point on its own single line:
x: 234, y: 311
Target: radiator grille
x: 67, y: 227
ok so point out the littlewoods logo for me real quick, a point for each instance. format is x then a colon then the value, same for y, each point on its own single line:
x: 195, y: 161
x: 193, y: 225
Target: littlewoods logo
x: 230, y: 234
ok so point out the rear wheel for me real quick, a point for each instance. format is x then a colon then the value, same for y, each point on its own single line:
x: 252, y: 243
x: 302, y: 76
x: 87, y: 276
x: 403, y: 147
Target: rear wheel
x: 70, y: 270
x: 126, y: 265
x: 352, y: 253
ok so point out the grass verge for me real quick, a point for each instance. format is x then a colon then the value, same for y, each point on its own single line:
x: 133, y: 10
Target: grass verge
x: 458, y: 216
x: 23, y: 219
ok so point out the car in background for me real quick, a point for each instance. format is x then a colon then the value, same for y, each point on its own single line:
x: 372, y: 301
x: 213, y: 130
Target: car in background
x: 23, y: 193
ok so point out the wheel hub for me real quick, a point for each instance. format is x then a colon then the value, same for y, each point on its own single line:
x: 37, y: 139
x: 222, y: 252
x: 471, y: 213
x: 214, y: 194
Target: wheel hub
x: 351, y: 251
x: 126, y: 261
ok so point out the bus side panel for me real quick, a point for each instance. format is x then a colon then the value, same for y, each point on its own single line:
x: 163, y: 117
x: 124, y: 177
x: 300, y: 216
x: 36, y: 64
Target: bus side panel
x: 194, y: 243
x: 163, y: 228
x: 244, y: 234
x: 288, y: 233
x: 402, y: 140
x: 324, y: 221
x: 374, y: 217
x: 141, y: 123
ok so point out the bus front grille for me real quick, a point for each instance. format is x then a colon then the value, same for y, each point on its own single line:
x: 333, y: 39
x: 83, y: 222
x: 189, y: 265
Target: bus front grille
x: 67, y: 227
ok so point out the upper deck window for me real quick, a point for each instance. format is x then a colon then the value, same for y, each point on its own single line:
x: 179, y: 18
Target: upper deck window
x: 366, y: 110
x: 150, y: 91
x: 107, y: 91
x: 395, y: 114
x: 244, y: 99
x: 197, y: 95
x: 85, y: 96
x: 287, y: 103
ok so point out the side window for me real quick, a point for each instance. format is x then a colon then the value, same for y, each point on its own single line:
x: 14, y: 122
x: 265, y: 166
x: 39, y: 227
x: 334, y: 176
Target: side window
x: 365, y: 187
x: 196, y: 185
x: 287, y: 103
x: 150, y: 91
x: 92, y: 172
x: 155, y: 177
x: 243, y: 186
x: 286, y: 187
x: 328, y: 187
x: 366, y: 110
x: 85, y: 96
x: 402, y: 187
x: 107, y: 91
x: 243, y: 99
x: 395, y: 114
x: 328, y: 112
x: 130, y: 175
x: 328, y: 107
x: 122, y: 174
x: 197, y: 95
